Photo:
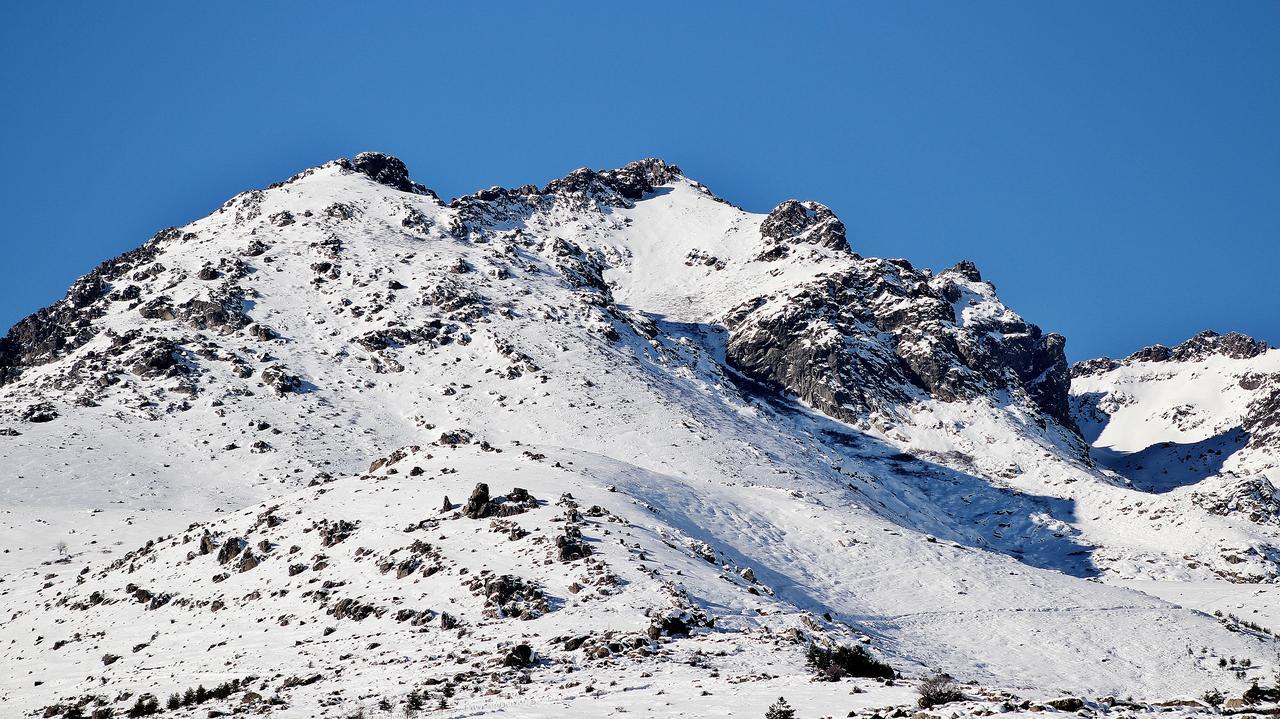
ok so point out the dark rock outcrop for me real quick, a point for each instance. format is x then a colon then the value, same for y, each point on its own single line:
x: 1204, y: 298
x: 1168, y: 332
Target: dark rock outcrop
x: 582, y: 189
x: 507, y: 595
x: 880, y: 334
x: 521, y: 655
x: 387, y: 170
x: 66, y: 325
x: 156, y: 357
x: 1208, y: 343
x: 1233, y: 345
x: 335, y: 531
x: 280, y: 379
x: 794, y: 222
x: 231, y: 549
x: 635, y: 179
x: 571, y: 546
x: 480, y: 505
x: 629, y: 182
x: 39, y: 413
x: 478, y: 502
x: 1088, y: 367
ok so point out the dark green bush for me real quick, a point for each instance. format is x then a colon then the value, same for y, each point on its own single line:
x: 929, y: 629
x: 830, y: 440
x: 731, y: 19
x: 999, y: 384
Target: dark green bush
x: 838, y: 662
x: 938, y: 689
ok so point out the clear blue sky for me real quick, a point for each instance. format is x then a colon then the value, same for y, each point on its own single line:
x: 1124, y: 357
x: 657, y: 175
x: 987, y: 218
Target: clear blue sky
x: 1113, y: 167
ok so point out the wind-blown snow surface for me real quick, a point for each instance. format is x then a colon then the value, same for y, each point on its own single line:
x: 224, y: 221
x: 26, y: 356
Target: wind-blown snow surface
x: 245, y: 434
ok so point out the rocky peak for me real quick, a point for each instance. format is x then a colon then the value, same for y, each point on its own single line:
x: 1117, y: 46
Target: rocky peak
x: 875, y: 336
x: 617, y: 188
x: 1097, y: 365
x: 1151, y: 353
x: 1201, y: 346
x: 386, y: 170
x: 582, y: 190
x: 1233, y: 345
x: 794, y: 222
x: 636, y: 178
x: 1204, y: 344
x: 967, y: 270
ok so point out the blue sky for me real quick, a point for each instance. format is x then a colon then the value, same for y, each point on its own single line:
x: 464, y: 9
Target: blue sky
x: 1113, y: 167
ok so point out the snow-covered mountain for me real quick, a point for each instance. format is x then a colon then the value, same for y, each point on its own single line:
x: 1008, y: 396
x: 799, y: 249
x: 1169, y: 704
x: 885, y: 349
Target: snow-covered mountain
x: 611, y: 444
x: 1202, y: 419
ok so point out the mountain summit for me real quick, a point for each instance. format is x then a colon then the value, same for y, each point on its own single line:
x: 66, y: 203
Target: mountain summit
x: 612, y: 442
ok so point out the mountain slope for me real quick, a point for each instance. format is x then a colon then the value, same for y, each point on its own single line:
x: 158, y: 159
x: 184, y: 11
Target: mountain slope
x: 739, y: 436
x: 1201, y: 418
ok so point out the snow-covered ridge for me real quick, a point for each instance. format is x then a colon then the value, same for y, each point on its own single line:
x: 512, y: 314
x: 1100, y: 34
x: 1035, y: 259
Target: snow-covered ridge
x: 728, y: 435
x: 1201, y: 418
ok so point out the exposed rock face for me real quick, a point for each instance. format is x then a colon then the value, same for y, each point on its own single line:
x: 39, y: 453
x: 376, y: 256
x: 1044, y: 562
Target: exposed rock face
x: 520, y: 655
x: 38, y: 413
x: 1233, y: 344
x: 866, y: 336
x: 507, y: 595
x: 799, y: 343
x: 635, y: 179
x: 630, y: 182
x: 387, y: 170
x: 1208, y: 343
x: 281, y: 380
x: 1097, y: 365
x: 864, y: 339
x: 1255, y: 498
x: 570, y: 546
x: 1003, y: 349
x: 58, y: 329
x: 478, y: 502
x: 480, y: 505
x: 230, y: 549
x: 335, y: 531
x: 1262, y: 417
x: 582, y: 189
x: 794, y: 222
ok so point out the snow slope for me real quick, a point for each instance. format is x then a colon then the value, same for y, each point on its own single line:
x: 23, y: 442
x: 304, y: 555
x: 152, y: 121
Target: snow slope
x: 1198, y: 420
x: 763, y: 440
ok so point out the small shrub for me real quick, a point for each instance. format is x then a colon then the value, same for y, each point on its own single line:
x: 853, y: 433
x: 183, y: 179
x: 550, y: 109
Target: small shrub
x: 200, y: 695
x: 780, y: 710
x: 842, y: 661
x: 146, y: 705
x: 413, y: 703
x: 1256, y: 694
x: 1213, y: 698
x: 938, y: 689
